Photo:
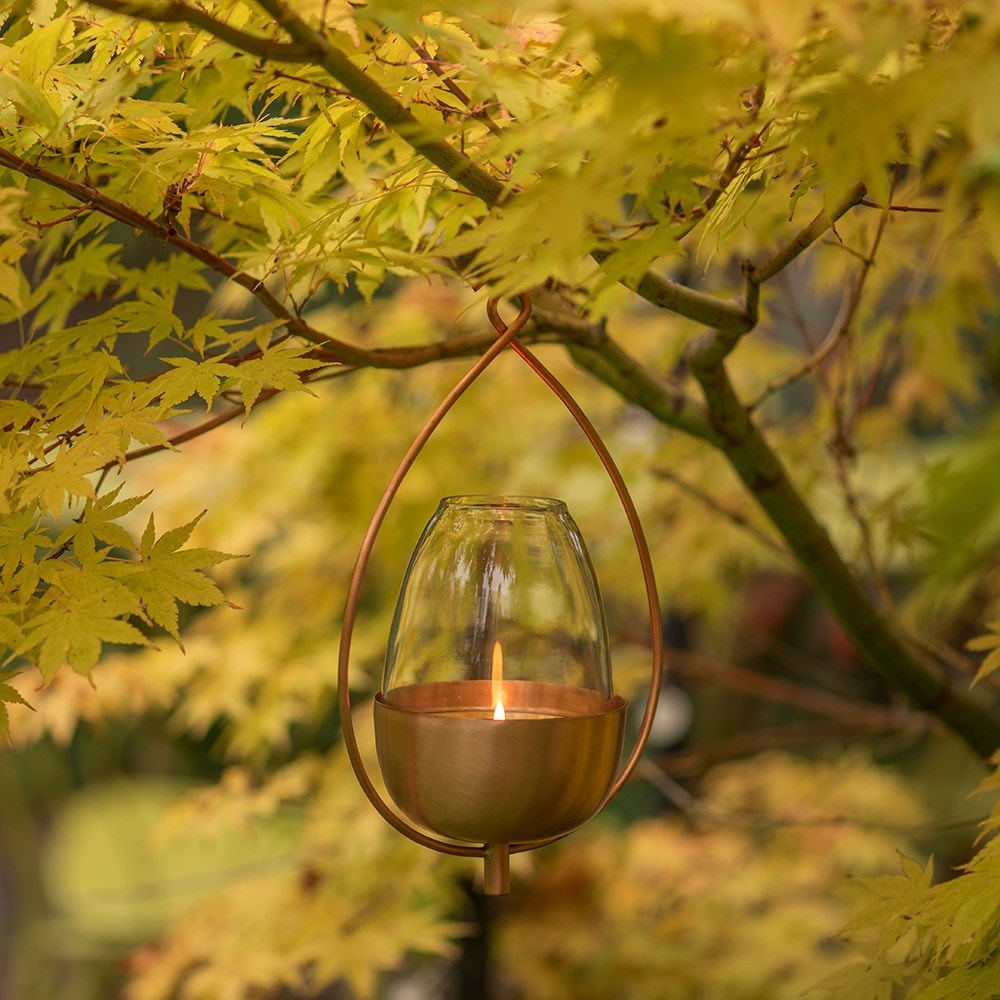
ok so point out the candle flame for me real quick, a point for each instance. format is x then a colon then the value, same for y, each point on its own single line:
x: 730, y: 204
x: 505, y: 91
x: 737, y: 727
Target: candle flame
x: 496, y: 682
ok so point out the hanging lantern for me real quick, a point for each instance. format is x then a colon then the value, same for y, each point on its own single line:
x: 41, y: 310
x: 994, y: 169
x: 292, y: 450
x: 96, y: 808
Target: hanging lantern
x: 497, y: 728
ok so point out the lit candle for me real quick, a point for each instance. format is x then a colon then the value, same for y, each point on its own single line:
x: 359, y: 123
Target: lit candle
x: 496, y: 683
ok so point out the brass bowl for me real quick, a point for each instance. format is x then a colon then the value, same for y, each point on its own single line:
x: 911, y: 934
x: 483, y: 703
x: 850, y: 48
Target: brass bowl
x: 540, y: 773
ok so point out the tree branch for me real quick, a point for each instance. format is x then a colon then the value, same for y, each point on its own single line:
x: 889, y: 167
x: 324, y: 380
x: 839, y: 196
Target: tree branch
x: 459, y: 167
x: 734, y: 517
x: 311, y: 45
x: 90, y: 197
x: 434, y: 66
x: 716, y: 344
x: 822, y: 223
x: 327, y: 348
x: 689, y: 763
x: 594, y: 351
x: 190, y: 434
x: 973, y: 714
x: 177, y: 12
x: 703, y: 669
x: 598, y: 355
x: 726, y: 315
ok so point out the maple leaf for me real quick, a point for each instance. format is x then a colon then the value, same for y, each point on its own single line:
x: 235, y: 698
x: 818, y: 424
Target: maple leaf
x: 21, y: 541
x: 83, y: 609
x: 152, y: 314
x: 990, y: 641
x: 8, y: 696
x: 192, y: 378
x: 67, y: 476
x: 278, y: 367
x: 11, y: 633
x: 168, y: 575
x: 100, y: 517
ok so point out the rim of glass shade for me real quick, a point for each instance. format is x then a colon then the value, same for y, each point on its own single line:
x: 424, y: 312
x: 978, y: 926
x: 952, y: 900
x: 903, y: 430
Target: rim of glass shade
x: 500, y: 501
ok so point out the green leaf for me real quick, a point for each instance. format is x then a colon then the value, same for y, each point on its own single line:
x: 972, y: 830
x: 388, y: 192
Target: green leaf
x: 990, y: 641
x: 978, y: 982
x: 100, y: 515
x: 965, y: 912
x: 168, y: 542
x: 8, y: 696
x: 84, y: 609
x: 168, y: 575
x: 192, y: 378
x: 278, y: 367
x: 97, y: 523
x: 898, y: 898
x: 152, y: 314
x: 36, y: 108
x: 38, y: 52
x: 21, y: 542
x: 208, y: 330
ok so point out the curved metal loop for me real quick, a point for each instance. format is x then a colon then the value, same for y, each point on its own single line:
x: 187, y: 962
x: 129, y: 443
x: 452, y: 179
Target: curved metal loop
x: 507, y: 337
x: 354, y: 592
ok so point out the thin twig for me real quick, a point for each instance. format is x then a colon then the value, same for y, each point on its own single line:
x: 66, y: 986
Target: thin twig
x: 839, y: 244
x: 899, y: 208
x: 798, y: 320
x: 191, y: 433
x: 692, y: 762
x: 434, y: 65
x: 821, y: 224
x: 742, y: 154
x: 699, y: 667
x: 833, y: 340
x: 840, y: 444
x: 326, y: 88
x: 734, y: 517
x: 891, y: 344
x: 710, y: 349
x: 944, y: 654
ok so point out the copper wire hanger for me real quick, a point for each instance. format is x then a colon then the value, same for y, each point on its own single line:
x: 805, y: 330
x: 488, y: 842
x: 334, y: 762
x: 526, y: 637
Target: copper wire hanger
x: 507, y: 337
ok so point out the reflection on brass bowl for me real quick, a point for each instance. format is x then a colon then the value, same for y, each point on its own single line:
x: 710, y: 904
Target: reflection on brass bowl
x: 540, y: 773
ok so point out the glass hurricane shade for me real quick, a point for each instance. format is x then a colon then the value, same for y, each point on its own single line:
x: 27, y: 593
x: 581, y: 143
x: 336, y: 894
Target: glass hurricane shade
x: 512, y: 570
x: 496, y: 723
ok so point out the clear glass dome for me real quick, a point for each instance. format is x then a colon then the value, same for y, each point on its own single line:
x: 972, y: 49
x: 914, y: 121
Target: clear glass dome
x: 507, y: 570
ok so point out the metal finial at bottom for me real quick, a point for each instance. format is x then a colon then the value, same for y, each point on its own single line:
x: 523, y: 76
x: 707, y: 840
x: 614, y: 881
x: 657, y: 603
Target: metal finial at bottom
x: 496, y: 870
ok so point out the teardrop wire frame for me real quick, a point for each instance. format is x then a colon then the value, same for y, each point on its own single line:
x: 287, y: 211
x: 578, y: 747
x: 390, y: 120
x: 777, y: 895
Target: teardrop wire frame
x: 507, y: 337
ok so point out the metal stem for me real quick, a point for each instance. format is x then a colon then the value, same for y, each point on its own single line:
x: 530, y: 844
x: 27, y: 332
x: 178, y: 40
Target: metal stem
x: 496, y: 870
